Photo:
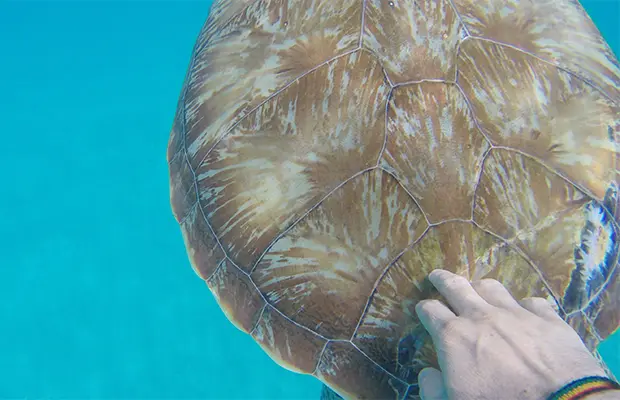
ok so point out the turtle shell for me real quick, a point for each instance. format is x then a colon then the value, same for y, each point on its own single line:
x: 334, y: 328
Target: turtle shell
x: 327, y: 155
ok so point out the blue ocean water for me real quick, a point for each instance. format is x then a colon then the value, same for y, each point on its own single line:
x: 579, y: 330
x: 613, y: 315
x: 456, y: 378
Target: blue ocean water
x: 96, y: 297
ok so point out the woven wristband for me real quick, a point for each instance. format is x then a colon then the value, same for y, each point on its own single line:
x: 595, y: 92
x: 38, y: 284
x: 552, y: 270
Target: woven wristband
x: 580, y: 388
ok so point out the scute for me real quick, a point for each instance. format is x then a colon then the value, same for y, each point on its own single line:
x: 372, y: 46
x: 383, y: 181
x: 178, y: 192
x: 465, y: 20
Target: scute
x: 559, y: 32
x: 291, y: 345
x: 327, y: 155
x: 435, y: 148
x: 402, y: 33
x: 528, y: 105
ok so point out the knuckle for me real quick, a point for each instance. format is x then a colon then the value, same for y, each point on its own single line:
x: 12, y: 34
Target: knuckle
x: 536, y: 301
x: 481, y: 316
x: 540, y: 304
x: 456, y: 281
x: 426, y: 305
x: 488, y: 283
x: 450, y: 330
x: 422, y: 305
x: 452, y: 326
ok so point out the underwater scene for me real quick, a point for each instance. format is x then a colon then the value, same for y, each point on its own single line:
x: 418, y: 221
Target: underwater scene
x: 98, y: 299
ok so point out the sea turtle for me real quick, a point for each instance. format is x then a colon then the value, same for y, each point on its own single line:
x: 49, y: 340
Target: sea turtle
x: 327, y: 154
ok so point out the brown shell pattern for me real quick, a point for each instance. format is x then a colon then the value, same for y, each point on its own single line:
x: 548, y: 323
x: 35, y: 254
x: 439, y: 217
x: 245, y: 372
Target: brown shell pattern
x: 326, y: 155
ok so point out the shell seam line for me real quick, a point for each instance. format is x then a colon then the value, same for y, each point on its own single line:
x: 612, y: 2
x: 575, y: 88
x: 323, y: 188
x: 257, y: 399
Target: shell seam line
x: 458, y: 16
x: 305, y: 214
x: 578, y: 76
x: 478, y: 180
x: 272, y: 96
x: 428, y: 222
x: 595, y: 296
x: 548, y: 168
x: 510, y: 244
x: 260, y: 316
x: 318, y: 362
x: 385, y: 127
x: 473, y: 114
x: 380, y: 279
x: 363, y: 24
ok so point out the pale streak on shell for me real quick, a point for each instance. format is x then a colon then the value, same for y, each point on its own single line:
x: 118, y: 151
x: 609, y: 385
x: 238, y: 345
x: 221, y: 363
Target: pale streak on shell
x: 290, y: 346
x: 256, y: 54
x: 202, y: 248
x: 291, y: 152
x: 221, y: 13
x: 236, y: 295
x: 321, y: 273
x: 525, y: 104
x: 355, y: 376
x: 435, y: 148
x: 176, y: 139
x: 516, y: 194
x: 182, y: 188
x: 558, y: 31
x: 413, y: 42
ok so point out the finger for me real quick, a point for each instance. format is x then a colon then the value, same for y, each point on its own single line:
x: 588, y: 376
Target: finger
x: 540, y: 307
x: 494, y: 293
x: 431, y: 385
x: 457, y: 290
x: 433, y: 315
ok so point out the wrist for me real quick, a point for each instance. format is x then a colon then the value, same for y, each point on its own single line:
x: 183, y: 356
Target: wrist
x: 590, y: 387
x: 606, y: 395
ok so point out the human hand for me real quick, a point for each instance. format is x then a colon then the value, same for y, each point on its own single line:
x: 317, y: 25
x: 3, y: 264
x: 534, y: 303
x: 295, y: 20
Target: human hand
x: 489, y: 346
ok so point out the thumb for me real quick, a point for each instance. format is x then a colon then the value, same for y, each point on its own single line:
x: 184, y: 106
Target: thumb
x: 431, y: 385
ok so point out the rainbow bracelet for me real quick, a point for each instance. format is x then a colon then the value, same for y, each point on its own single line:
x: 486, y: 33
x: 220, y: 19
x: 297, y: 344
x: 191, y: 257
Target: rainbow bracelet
x: 580, y: 388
